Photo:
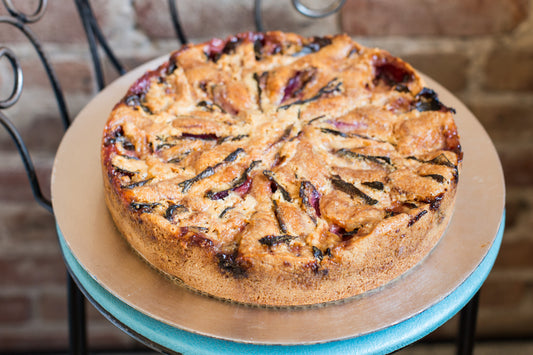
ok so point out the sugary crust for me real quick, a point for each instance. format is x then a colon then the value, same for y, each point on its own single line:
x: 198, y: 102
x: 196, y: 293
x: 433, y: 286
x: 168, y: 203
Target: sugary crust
x: 272, y: 169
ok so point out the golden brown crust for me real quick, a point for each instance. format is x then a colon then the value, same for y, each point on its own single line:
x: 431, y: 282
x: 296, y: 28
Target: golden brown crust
x: 278, y: 170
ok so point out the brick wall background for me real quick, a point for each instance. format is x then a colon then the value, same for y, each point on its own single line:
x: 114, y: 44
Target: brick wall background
x: 482, y: 50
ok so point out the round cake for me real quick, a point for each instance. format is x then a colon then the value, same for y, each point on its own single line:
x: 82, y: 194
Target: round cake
x: 277, y: 170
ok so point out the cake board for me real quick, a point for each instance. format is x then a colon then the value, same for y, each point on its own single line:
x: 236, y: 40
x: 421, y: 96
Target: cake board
x: 109, y: 272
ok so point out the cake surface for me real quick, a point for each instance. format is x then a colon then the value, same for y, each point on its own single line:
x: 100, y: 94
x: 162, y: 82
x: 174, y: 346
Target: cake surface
x: 277, y: 170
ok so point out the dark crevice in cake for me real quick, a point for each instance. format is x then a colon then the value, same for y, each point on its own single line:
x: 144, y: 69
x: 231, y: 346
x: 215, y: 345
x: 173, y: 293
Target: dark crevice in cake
x: 232, y: 265
x: 276, y: 185
x: 378, y: 159
x: 310, y: 200
x: 437, y: 177
x: 277, y: 214
x: 428, y: 100
x: 272, y: 240
x: 144, y: 207
x: 351, y: 190
x: 416, y: 218
x: 332, y: 87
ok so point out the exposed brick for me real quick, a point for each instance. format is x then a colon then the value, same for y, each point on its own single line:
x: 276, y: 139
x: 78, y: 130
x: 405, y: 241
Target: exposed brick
x: 34, y: 341
x: 511, y: 323
x: 42, y: 134
x: 205, y: 18
x: 502, y: 293
x: 505, y: 121
x: 26, y: 223
x: 15, y: 309
x: 509, y: 69
x: 428, y: 17
x: 23, y: 270
x: 73, y: 75
x: 153, y: 17
x: 519, y: 212
x: 60, y: 23
x: 37, y: 119
x: 518, y: 209
x: 45, y: 132
x: 53, y: 306
x: 449, y: 69
x: 128, y: 62
x: 517, y: 164
x: 33, y: 306
x: 111, y: 337
x: 515, y: 254
x: 16, y: 186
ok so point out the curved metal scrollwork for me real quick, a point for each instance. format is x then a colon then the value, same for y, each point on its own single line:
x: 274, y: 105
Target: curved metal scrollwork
x: 26, y: 160
x: 25, y: 18
x: 10, y: 127
x: 318, y: 13
x: 20, y: 20
x: 305, y: 10
x: 17, y: 78
x: 95, y: 36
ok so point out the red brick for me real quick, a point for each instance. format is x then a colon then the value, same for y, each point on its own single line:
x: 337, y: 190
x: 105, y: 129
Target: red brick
x: 44, y: 133
x: 129, y: 63
x: 203, y: 19
x: 102, y: 333
x: 154, y: 19
x: 510, y: 323
x: 15, y: 310
x: 53, y: 307
x: 518, y: 211
x: 28, y: 223
x: 515, y: 255
x: 449, y: 69
x: 223, y: 17
x: 74, y: 76
x: 41, y: 134
x: 60, y: 23
x: 21, y: 270
x: 506, y: 121
x: 502, y: 293
x: 428, y: 17
x: 15, y: 186
x: 34, y: 341
x: 509, y: 69
x: 110, y: 337
x: 517, y: 164
x: 36, y: 117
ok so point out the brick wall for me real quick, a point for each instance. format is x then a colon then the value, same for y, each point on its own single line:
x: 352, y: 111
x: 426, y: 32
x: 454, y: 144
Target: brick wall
x: 482, y: 50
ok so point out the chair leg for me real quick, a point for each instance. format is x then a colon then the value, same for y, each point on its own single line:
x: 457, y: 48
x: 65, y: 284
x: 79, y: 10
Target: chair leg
x: 76, y: 314
x: 467, y: 327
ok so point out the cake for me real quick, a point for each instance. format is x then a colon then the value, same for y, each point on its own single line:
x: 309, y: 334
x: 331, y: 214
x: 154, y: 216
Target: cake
x: 276, y: 170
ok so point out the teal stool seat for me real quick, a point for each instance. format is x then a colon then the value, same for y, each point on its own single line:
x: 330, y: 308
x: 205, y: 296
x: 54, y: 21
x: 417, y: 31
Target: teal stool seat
x: 165, y: 337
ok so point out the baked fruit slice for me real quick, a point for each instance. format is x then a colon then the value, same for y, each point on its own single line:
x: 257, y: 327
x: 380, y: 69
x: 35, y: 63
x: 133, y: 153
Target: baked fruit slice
x: 272, y: 169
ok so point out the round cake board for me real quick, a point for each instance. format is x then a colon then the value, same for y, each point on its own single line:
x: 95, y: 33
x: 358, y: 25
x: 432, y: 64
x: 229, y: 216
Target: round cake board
x: 89, y: 235
x: 162, y: 336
